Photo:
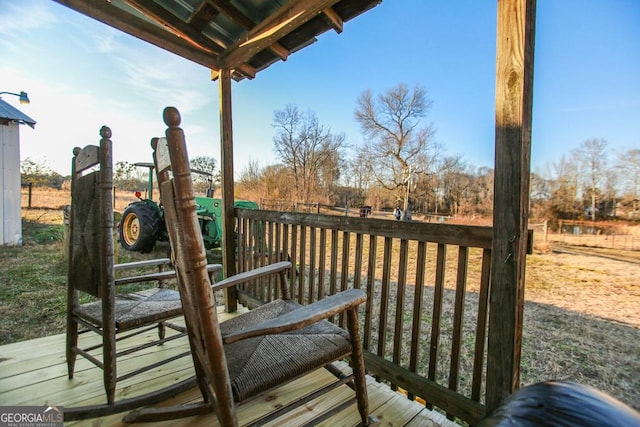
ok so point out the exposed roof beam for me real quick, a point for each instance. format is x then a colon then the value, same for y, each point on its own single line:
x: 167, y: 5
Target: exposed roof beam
x: 334, y: 18
x: 246, y: 70
x: 202, y: 15
x: 115, y: 17
x: 282, y: 22
x: 166, y: 18
x: 244, y: 21
x: 243, y: 71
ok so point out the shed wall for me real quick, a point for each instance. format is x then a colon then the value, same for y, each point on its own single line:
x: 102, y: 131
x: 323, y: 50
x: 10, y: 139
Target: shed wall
x: 10, y: 215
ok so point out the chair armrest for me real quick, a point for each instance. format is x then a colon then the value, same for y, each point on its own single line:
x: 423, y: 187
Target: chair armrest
x: 303, y: 316
x: 256, y: 273
x: 139, y: 264
x: 161, y: 275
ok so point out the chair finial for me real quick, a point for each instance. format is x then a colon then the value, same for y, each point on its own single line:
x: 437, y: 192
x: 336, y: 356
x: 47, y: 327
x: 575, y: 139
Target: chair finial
x: 171, y: 116
x: 105, y: 132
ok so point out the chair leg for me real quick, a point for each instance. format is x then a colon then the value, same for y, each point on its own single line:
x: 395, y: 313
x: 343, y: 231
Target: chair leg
x: 72, y: 342
x: 162, y: 331
x: 72, y: 331
x: 109, y: 361
x: 357, y: 361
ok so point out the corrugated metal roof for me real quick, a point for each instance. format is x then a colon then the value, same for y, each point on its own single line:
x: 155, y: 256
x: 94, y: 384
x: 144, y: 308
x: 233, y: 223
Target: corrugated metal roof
x: 9, y: 113
x: 244, y: 36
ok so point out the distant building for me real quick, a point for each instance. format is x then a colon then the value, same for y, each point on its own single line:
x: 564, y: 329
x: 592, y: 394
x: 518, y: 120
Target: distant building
x: 10, y: 215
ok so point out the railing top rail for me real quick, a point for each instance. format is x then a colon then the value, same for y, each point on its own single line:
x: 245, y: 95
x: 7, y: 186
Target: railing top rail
x: 463, y: 235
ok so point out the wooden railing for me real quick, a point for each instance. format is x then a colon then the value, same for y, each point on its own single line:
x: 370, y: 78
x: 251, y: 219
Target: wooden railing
x: 425, y: 320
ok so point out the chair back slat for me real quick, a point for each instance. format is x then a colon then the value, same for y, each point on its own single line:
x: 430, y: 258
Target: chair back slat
x: 178, y: 199
x: 91, y: 221
x: 87, y: 157
x: 84, y: 261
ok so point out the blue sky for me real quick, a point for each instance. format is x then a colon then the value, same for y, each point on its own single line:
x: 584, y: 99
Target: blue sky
x: 81, y: 74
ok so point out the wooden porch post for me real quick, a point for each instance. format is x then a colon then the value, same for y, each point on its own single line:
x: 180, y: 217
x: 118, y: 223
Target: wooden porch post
x: 226, y: 156
x: 514, y: 87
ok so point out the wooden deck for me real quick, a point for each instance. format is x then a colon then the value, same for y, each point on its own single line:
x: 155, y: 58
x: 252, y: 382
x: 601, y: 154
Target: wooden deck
x: 34, y: 373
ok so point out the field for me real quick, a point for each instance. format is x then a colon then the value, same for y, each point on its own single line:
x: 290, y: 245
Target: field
x: 582, y: 316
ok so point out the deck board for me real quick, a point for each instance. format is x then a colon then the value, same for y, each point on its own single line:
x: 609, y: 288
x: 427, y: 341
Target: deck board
x: 34, y: 372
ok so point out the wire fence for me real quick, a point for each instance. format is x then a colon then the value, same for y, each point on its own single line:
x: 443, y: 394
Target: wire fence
x: 585, y: 233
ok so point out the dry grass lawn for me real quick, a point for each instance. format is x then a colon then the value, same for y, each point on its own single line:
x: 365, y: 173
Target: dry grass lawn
x: 582, y: 319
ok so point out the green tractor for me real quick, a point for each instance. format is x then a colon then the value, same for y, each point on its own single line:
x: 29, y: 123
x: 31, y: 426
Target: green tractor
x: 142, y: 223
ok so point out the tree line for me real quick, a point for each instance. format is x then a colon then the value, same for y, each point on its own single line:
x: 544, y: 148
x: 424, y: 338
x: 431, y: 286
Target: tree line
x: 590, y: 182
x: 400, y: 164
x: 127, y: 176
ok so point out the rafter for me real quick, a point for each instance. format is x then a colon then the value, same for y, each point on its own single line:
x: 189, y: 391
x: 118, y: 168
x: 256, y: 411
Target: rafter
x: 286, y: 19
x: 243, y: 71
x: 334, y: 18
x: 244, y: 21
x: 122, y: 20
x: 202, y: 15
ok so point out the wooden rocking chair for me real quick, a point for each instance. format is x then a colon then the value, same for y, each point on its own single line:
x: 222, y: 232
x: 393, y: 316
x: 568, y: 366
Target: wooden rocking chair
x: 250, y: 354
x: 91, y: 271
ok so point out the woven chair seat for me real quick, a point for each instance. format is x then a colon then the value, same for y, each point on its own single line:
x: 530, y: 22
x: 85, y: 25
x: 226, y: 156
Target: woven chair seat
x: 260, y: 363
x: 137, y: 308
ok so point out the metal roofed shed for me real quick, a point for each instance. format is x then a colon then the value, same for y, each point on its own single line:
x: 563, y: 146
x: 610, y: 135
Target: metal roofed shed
x: 10, y: 114
x: 10, y: 214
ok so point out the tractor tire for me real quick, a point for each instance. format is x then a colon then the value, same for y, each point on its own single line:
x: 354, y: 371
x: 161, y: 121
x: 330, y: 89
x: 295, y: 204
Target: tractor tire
x: 140, y: 227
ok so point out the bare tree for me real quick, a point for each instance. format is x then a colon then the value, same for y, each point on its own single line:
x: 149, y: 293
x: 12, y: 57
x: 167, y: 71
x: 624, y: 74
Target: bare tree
x: 564, y: 191
x: 592, y: 154
x: 305, y: 147
x: 277, y: 182
x: 329, y: 173
x: 127, y: 176
x: 206, y: 174
x: 629, y: 166
x: 356, y: 174
x: 398, y: 146
x: 39, y: 173
x: 251, y: 174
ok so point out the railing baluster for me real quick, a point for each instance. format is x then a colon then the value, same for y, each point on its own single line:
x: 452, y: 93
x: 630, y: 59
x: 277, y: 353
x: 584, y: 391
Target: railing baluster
x: 322, y: 263
x: 438, y: 294
x: 294, y: 257
x: 286, y: 255
x: 272, y: 256
x: 400, y: 300
x: 357, y: 269
x: 302, y: 264
x: 458, y: 317
x: 344, y: 269
x: 371, y: 278
x: 333, y: 273
x: 384, y: 296
x: 312, y: 264
x: 254, y: 285
x: 417, y: 309
x: 260, y: 246
x: 242, y: 238
x: 481, y: 327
